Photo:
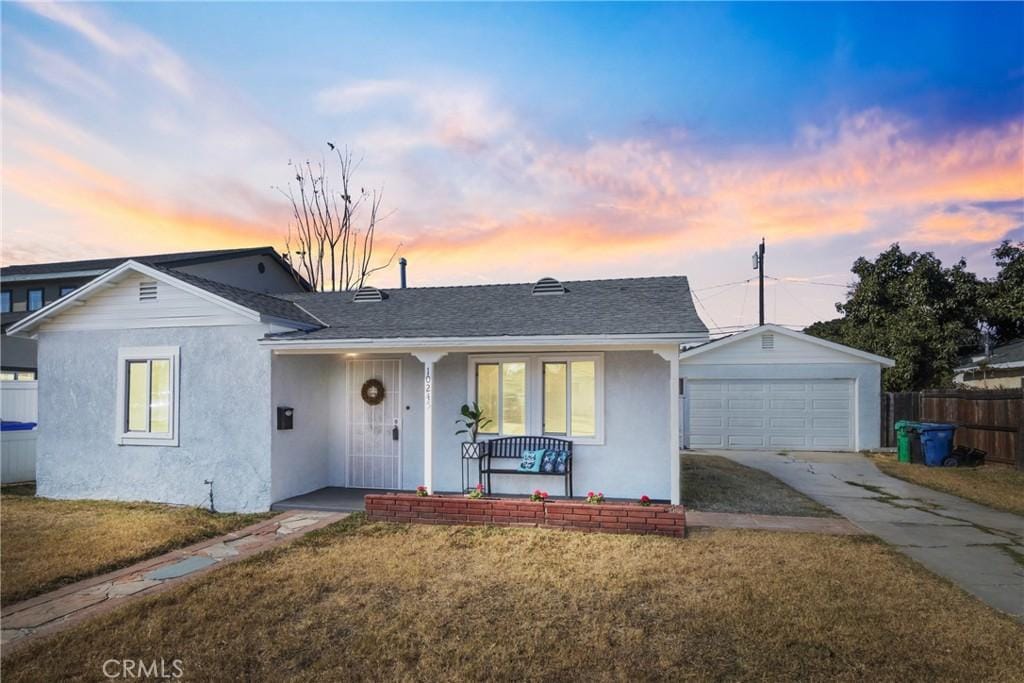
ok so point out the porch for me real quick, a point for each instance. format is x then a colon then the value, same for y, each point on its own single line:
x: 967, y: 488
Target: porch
x: 383, y: 419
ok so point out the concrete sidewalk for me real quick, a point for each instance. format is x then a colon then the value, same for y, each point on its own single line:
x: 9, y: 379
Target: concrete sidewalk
x: 60, y: 609
x: 978, y: 548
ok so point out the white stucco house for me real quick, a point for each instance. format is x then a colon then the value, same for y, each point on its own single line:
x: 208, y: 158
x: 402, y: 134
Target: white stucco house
x: 165, y: 385
x: 770, y: 388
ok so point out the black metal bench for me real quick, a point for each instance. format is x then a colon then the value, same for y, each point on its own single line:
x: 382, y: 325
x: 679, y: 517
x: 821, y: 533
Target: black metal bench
x: 512, y: 447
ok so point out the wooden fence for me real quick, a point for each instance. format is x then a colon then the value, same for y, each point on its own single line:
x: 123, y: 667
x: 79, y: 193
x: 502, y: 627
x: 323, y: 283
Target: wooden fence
x: 991, y: 420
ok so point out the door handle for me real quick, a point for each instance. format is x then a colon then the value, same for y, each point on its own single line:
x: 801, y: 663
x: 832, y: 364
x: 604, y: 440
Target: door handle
x: 394, y: 433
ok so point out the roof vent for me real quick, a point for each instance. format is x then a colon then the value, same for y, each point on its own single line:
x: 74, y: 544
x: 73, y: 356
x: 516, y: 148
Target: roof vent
x: 365, y: 294
x: 147, y: 291
x: 767, y: 342
x: 548, y: 285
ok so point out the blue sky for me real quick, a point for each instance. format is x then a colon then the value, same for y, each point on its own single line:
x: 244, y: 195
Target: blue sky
x: 570, y: 140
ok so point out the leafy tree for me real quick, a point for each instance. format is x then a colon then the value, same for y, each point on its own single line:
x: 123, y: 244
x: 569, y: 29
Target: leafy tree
x: 1003, y: 299
x: 907, y: 306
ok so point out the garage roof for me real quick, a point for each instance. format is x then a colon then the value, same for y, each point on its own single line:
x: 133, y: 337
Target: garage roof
x: 719, y: 344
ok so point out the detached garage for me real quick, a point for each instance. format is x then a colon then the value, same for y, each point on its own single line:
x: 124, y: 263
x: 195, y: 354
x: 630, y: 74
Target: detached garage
x: 772, y: 388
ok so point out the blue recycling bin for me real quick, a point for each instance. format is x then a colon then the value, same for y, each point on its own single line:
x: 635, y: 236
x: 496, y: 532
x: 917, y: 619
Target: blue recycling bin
x: 937, y: 443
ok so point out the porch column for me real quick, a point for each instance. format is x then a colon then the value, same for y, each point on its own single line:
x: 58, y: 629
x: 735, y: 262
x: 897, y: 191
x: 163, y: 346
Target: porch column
x: 428, y: 358
x: 671, y: 354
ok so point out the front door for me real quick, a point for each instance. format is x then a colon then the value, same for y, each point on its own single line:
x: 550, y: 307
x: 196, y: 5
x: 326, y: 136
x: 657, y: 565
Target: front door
x: 374, y: 444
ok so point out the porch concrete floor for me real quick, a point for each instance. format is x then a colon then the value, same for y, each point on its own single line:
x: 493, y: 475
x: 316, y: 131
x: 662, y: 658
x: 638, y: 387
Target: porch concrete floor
x: 329, y: 498
x: 341, y: 499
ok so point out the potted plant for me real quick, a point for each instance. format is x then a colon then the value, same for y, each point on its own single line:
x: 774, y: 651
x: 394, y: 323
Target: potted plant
x: 539, y: 496
x: 476, y: 493
x: 472, y: 421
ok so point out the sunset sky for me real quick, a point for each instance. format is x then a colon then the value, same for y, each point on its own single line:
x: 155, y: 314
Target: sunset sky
x: 517, y: 141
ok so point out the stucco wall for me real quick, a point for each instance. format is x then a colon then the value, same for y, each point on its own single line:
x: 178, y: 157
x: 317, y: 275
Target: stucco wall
x: 300, y: 456
x: 867, y: 379
x: 634, y: 459
x: 224, y: 426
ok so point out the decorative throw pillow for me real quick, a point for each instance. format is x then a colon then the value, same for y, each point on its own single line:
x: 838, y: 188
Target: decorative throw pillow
x: 549, y: 462
x: 561, y: 461
x: 531, y: 461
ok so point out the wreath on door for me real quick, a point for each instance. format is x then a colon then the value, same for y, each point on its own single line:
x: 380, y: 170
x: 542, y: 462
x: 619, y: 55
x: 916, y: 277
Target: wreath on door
x: 372, y: 391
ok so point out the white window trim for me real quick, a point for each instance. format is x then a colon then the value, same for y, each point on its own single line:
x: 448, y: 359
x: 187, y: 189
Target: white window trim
x: 146, y: 353
x: 535, y: 390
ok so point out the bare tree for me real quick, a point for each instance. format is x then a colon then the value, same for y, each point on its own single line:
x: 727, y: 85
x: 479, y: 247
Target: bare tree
x: 324, y: 244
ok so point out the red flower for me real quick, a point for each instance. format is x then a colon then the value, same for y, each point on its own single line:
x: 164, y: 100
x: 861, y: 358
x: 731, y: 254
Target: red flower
x: 590, y: 494
x: 645, y: 499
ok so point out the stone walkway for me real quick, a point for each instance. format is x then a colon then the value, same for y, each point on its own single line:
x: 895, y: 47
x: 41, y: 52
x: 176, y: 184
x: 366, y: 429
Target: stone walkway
x: 978, y: 548
x: 60, y: 609
x: 732, y: 520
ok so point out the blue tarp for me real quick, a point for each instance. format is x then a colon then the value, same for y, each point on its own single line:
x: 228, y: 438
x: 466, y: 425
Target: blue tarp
x: 11, y: 426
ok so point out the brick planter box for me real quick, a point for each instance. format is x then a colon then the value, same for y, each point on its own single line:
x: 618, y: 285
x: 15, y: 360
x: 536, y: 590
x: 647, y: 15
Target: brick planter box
x: 623, y: 518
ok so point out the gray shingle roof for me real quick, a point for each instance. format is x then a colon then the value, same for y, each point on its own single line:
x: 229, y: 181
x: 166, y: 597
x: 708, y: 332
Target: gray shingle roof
x: 38, y: 271
x: 652, y: 305
x: 1010, y: 352
x: 261, y: 303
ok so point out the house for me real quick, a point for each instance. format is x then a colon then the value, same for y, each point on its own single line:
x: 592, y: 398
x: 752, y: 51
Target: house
x: 175, y: 388
x: 28, y: 288
x: 1002, y: 368
x: 770, y: 388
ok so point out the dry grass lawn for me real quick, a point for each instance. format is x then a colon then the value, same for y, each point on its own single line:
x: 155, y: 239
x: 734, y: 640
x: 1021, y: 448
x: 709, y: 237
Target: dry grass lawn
x: 387, y: 602
x: 48, y: 543
x: 996, y: 486
x: 712, y: 483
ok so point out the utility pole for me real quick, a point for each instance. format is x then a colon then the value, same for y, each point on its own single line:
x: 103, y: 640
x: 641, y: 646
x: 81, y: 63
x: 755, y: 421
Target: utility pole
x: 759, y: 267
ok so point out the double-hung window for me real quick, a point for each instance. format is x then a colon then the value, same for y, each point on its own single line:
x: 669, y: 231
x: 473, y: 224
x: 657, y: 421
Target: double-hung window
x: 148, y: 396
x: 5, y: 301
x: 556, y: 395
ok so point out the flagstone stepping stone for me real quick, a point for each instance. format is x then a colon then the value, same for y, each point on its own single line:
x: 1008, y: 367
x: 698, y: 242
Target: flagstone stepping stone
x: 294, y: 524
x: 61, y: 607
x: 186, y: 566
x: 126, y: 588
x: 243, y: 541
x: 219, y: 551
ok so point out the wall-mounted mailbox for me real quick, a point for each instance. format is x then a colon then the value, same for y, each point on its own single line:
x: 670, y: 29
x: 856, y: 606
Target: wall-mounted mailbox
x: 285, y: 416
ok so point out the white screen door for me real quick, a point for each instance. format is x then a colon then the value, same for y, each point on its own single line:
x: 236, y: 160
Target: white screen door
x: 374, y: 452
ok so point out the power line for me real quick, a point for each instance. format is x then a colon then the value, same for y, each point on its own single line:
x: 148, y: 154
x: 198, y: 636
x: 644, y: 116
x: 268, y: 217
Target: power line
x: 724, y: 284
x: 710, y: 317
x: 807, y: 282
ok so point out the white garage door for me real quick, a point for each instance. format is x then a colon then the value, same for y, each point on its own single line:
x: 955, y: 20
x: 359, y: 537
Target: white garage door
x: 801, y: 414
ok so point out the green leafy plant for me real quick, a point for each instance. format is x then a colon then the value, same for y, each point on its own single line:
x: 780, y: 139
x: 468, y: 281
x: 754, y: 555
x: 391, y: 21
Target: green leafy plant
x: 472, y: 420
x: 539, y: 496
x: 422, y: 491
x: 477, y: 492
x: 595, y: 498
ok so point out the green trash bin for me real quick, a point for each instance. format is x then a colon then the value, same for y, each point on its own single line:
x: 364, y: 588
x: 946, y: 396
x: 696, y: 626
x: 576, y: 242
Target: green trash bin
x: 905, y: 432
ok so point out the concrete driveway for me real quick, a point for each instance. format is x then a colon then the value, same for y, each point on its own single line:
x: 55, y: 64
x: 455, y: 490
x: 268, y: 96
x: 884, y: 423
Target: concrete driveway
x: 978, y: 548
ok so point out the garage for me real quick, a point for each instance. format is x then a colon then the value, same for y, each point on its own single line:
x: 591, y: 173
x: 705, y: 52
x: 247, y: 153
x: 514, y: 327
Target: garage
x: 808, y: 415
x: 771, y: 388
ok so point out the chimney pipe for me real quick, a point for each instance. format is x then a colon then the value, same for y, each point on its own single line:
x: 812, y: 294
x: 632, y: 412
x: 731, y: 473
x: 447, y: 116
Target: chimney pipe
x: 402, y: 263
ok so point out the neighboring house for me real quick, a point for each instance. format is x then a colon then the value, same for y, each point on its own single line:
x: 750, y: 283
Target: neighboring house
x: 28, y: 288
x: 771, y: 388
x: 170, y: 381
x: 1003, y: 368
